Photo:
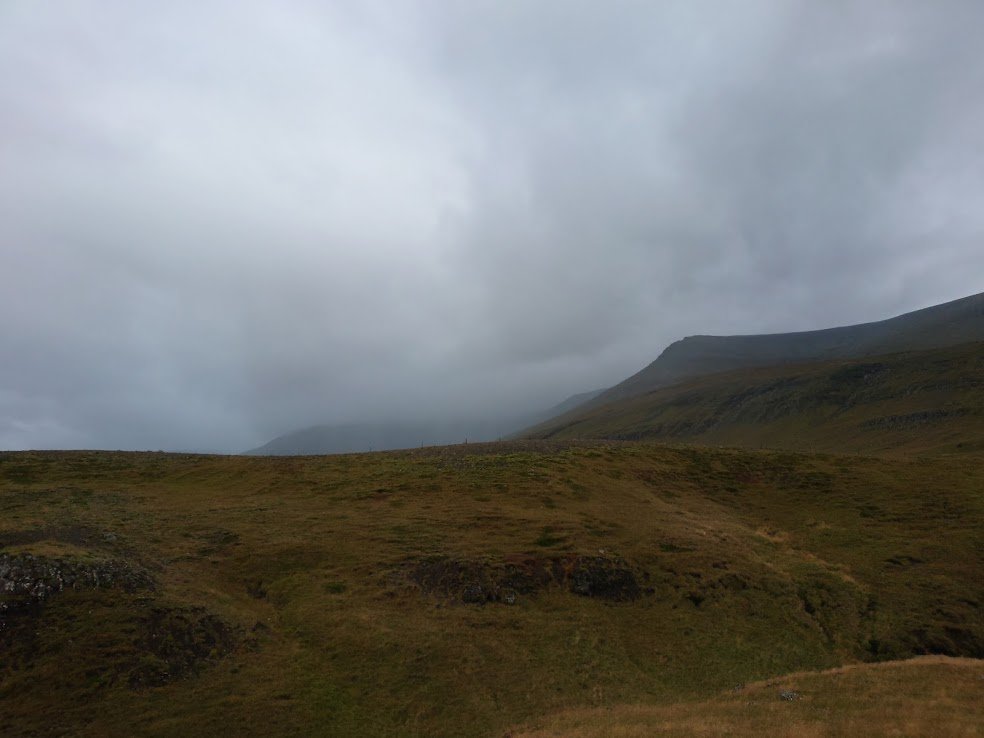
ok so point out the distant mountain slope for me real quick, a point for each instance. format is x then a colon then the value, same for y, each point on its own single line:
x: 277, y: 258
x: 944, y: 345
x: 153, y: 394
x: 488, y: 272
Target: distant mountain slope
x: 948, y: 324
x: 952, y: 323
x: 358, y: 437
x: 929, y: 400
x: 570, y: 403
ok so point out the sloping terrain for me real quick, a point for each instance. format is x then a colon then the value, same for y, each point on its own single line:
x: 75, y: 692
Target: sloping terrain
x: 358, y: 437
x: 913, y: 698
x: 462, y: 590
x: 959, y: 321
x: 952, y: 323
x: 914, y: 402
x: 570, y: 403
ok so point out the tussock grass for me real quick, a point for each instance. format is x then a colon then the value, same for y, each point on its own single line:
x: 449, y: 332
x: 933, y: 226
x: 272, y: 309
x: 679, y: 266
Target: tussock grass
x: 756, y: 564
x: 925, y: 696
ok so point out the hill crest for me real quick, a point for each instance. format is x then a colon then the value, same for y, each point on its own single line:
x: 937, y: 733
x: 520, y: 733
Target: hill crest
x: 947, y: 324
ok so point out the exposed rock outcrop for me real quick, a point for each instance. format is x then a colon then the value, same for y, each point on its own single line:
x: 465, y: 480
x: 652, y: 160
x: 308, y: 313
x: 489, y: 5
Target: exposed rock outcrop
x: 27, y: 580
x: 476, y: 582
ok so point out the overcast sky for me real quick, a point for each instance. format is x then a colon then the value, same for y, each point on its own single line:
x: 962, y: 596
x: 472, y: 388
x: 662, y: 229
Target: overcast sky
x: 220, y: 221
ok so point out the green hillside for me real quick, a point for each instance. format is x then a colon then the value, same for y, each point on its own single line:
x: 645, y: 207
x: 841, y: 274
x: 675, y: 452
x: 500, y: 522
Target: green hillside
x: 459, y: 591
x: 916, y: 402
x: 940, y: 326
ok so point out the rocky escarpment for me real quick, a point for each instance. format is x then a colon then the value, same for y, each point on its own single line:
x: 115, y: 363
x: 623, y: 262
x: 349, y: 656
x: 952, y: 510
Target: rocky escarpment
x: 27, y: 580
x: 106, y: 612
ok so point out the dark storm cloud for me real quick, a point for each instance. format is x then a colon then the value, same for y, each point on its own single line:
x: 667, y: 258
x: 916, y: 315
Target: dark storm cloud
x: 223, y: 221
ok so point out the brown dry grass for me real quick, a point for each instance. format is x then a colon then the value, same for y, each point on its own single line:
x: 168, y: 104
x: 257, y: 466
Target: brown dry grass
x: 864, y: 558
x: 926, y: 696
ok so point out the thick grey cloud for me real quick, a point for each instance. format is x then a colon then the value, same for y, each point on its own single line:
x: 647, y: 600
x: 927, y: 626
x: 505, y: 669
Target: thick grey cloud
x: 221, y: 221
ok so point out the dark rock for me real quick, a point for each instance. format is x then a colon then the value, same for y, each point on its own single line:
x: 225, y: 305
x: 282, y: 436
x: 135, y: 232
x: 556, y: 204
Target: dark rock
x: 911, y: 420
x: 256, y: 590
x: 476, y: 582
x: 609, y: 579
x: 26, y: 580
x: 176, y: 641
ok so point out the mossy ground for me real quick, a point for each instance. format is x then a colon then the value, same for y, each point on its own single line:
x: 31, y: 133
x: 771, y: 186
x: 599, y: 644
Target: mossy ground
x: 935, y: 696
x: 759, y: 563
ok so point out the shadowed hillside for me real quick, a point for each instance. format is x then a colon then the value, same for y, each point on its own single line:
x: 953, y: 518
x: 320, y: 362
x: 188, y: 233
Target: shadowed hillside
x: 358, y: 437
x: 459, y: 591
x: 912, y: 402
x: 955, y: 322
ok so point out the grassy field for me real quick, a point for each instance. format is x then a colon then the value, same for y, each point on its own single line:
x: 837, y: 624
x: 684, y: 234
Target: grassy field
x: 918, y: 402
x: 462, y: 591
x: 926, y: 696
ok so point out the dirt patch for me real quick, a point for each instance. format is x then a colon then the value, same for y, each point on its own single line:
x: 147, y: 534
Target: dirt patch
x: 476, y: 582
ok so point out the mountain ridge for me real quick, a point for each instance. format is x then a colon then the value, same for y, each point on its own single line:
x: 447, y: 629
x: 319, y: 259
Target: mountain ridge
x: 946, y: 324
x: 911, y: 402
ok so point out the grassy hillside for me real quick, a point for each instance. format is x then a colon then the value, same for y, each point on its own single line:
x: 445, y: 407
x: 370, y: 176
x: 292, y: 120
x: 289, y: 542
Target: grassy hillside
x: 940, y: 326
x: 460, y: 591
x: 902, y: 403
x: 901, y: 698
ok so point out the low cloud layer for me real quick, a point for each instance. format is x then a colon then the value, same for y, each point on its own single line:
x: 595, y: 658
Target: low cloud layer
x: 223, y: 221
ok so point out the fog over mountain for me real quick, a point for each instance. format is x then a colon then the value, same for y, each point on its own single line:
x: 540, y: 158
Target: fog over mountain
x: 222, y: 222
x: 956, y: 322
